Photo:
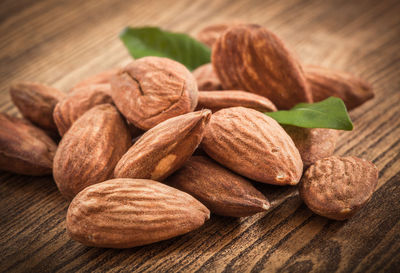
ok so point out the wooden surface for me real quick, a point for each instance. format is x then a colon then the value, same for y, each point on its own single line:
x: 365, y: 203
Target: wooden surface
x: 60, y: 42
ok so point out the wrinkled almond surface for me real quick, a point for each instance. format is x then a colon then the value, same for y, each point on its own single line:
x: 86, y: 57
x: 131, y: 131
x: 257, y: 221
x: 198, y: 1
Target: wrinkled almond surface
x: 78, y: 102
x: 251, y: 58
x: 36, y: 103
x: 164, y: 148
x: 254, y: 145
x: 24, y: 148
x: 89, y: 151
x: 206, y: 78
x: 325, y: 83
x: 338, y: 187
x: 217, y: 100
x: 222, y: 191
x: 153, y: 89
x: 123, y: 213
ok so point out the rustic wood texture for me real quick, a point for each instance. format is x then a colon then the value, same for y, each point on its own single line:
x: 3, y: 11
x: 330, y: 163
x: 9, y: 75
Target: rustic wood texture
x: 61, y: 42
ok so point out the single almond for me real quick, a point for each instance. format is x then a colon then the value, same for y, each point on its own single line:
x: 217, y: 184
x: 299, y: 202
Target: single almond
x: 164, y: 148
x: 338, y: 187
x: 313, y: 143
x: 24, y: 148
x: 252, y: 58
x: 90, y: 149
x: 123, y: 213
x: 217, y: 100
x: 325, y: 83
x: 206, y: 78
x: 68, y: 110
x: 220, y: 190
x: 153, y: 89
x: 253, y: 145
x: 103, y: 77
x: 36, y: 103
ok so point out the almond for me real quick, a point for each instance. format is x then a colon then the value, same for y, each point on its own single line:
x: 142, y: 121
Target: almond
x: 313, y: 143
x: 100, y: 78
x: 222, y: 191
x: 164, y: 148
x: 153, y: 89
x: 123, y: 213
x: 338, y: 187
x: 24, y: 148
x: 253, y: 145
x: 36, y: 103
x: 325, y: 83
x: 217, y: 100
x: 78, y: 102
x: 251, y: 58
x: 89, y: 151
x: 206, y: 78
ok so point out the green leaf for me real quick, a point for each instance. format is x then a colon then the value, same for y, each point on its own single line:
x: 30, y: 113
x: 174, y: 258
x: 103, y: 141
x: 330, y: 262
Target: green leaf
x: 152, y: 41
x: 329, y: 113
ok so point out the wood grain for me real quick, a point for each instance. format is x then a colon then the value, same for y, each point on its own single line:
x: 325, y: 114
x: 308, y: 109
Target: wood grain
x: 61, y: 42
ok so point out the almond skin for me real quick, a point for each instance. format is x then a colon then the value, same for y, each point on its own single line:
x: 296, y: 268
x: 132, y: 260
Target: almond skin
x: 100, y: 78
x: 253, y: 145
x: 36, y: 103
x: 153, y: 89
x: 78, y: 102
x: 217, y: 100
x: 251, y: 58
x: 313, y: 143
x: 164, y: 148
x: 220, y: 190
x: 325, y: 83
x: 206, y: 78
x: 24, y: 148
x: 89, y: 151
x: 123, y: 213
x: 338, y: 187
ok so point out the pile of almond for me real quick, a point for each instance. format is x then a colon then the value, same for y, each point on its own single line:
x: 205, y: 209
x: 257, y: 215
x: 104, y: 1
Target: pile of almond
x: 129, y: 135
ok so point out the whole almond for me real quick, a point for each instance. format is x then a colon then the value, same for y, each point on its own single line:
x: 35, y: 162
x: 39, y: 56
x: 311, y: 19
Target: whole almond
x: 123, y: 213
x: 24, y: 148
x: 313, y: 143
x: 100, y: 78
x: 164, y: 148
x: 36, y: 103
x: 325, y: 83
x: 68, y: 110
x: 153, y: 89
x: 217, y: 100
x: 253, y: 145
x: 251, y: 58
x: 338, y: 187
x: 222, y: 191
x: 90, y: 149
x: 206, y: 78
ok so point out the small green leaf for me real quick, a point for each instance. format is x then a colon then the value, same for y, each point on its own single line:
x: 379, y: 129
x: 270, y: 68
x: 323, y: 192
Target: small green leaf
x: 329, y: 113
x: 152, y: 41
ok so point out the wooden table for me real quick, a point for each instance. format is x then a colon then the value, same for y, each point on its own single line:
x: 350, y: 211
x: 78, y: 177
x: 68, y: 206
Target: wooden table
x: 61, y: 42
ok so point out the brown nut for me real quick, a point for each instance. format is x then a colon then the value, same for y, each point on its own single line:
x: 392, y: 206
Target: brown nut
x: 90, y: 149
x: 325, y: 83
x: 206, y: 78
x: 217, y: 100
x: 122, y: 213
x: 78, y: 102
x: 24, y: 148
x: 100, y: 78
x: 313, y: 143
x: 36, y: 103
x: 251, y: 58
x: 253, y: 145
x: 153, y: 89
x: 164, y: 148
x: 222, y: 191
x: 338, y: 187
